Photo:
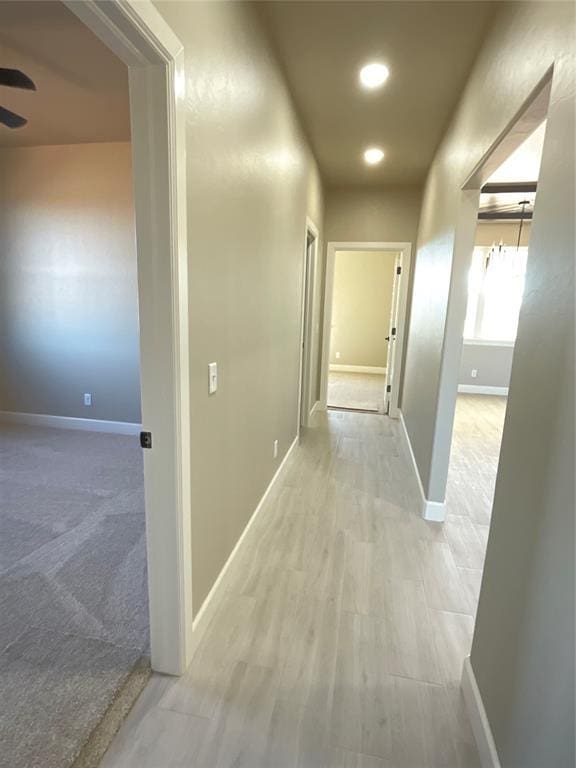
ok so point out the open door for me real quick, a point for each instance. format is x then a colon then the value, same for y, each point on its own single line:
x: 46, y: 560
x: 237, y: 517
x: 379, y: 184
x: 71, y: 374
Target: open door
x: 393, y: 333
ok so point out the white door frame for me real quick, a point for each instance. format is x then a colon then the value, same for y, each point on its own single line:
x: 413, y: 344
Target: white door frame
x: 406, y: 250
x: 136, y: 32
x: 308, y: 310
x: 392, y: 338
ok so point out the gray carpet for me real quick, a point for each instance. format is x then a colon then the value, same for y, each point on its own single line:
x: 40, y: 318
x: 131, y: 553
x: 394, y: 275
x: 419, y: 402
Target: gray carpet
x: 73, y: 595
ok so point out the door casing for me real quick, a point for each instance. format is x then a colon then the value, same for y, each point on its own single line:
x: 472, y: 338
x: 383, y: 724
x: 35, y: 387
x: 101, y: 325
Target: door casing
x: 136, y: 32
x: 308, y: 314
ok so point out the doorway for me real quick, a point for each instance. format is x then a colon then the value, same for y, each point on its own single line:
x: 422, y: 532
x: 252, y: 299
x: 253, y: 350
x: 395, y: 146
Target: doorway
x: 495, y: 285
x: 140, y: 38
x: 73, y: 570
x: 366, y: 292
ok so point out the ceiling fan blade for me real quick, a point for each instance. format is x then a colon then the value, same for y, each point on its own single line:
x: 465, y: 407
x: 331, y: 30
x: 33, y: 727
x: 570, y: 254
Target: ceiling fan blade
x: 11, y: 119
x: 14, y: 78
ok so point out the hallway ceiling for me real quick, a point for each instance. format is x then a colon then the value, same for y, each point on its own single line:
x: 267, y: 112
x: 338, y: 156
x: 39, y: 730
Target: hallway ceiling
x: 429, y: 48
x: 82, y: 87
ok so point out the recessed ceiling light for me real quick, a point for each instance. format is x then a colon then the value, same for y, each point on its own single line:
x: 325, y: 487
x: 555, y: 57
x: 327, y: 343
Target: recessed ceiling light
x: 374, y: 75
x: 373, y: 156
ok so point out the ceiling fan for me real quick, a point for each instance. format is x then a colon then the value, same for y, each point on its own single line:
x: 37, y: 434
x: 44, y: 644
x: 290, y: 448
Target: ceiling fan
x: 14, y: 78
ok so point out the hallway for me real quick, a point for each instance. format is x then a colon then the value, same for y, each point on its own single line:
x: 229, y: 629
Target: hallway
x: 340, y: 630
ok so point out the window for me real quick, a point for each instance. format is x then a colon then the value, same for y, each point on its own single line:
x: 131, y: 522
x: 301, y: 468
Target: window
x: 495, y: 288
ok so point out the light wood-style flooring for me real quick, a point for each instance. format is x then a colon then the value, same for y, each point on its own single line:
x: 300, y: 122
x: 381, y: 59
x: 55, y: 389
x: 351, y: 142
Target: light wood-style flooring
x: 474, y: 458
x: 357, y: 391
x: 342, y: 626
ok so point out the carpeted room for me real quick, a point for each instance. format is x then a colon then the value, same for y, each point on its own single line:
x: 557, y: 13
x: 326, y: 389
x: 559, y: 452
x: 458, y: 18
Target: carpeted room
x: 73, y: 593
x: 73, y: 583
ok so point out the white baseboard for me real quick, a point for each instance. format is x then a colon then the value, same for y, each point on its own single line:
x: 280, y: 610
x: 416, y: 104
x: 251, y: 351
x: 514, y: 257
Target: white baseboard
x: 357, y: 368
x: 208, y: 607
x: 70, y: 422
x: 478, y: 389
x: 434, y: 511
x: 478, y: 719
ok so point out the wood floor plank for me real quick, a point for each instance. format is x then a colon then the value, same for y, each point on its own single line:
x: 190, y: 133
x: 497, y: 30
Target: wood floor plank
x: 452, y: 633
x: 152, y: 737
x: 468, y: 546
x: 471, y: 580
x: 238, y: 734
x: 200, y: 691
x: 441, y: 582
x: 340, y: 629
x: 409, y: 649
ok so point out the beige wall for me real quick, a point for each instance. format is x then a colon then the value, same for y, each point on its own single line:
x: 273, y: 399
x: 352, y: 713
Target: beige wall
x: 68, y: 282
x: 523, y: 649
x: 486, y: 234
x: 385, y: 214
x: 376, y: 214
x: 252, y: 181
x: 361, y: 304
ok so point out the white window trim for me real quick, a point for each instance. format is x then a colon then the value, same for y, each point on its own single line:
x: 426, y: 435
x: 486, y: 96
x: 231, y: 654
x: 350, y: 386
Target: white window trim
x: 473, y: 342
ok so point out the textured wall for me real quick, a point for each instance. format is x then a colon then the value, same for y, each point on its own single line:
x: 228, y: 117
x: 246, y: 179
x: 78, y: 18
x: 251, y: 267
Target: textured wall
x: 252, y: 181
x: 68, y: 282
x: 386, y: 214
x: 361, y: 304
x: 523, y: 650
x: 493, y: 364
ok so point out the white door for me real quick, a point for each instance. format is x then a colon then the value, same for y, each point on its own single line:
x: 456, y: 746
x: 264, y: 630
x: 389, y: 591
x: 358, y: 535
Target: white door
x: 393, y: 332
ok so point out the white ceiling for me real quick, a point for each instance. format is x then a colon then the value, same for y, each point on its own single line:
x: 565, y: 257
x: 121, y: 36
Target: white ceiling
x: 82, y: 87
x: 429, y: 48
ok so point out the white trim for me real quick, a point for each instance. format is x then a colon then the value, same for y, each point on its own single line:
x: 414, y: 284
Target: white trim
x: 478, y: 719
x: 479, y: 389
x: 487, y: 343
x: 307, y: 309
x: 137, y: 33
x: 209, y: 605
x: 435, y: 511
x: 70, y: 422
x: 406, y: 249
x: 358, y: 368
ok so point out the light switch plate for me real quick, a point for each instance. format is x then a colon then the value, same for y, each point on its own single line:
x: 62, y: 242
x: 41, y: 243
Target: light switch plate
x: 212, y: 378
